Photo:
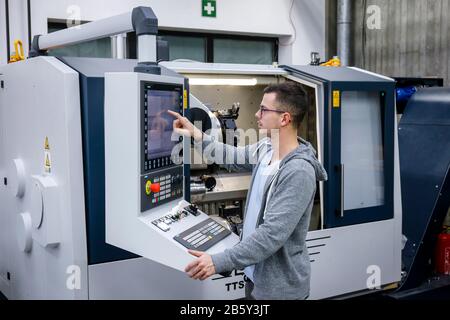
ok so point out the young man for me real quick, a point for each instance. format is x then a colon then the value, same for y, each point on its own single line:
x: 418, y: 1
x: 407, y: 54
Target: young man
x: 272, y: 250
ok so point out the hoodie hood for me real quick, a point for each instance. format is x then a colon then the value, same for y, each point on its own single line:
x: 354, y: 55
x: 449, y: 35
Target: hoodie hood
x: 307, y: 152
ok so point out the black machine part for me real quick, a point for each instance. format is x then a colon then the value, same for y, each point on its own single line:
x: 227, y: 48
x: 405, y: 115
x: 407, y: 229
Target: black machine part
x: 144, y: 21
x: 227, y: 119
x: 233, y: 214
x: 315, y: 59
x: 208, y: 181
x: 424, y: 144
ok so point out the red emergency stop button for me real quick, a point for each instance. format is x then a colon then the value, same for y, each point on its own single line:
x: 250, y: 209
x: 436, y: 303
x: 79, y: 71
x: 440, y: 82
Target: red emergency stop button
x: 152, y: 187
x: 155, y: 187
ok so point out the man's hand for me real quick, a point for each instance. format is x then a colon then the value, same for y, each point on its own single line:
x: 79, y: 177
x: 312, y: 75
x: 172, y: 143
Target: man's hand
x: 184, y: 127
x: 201, y: 268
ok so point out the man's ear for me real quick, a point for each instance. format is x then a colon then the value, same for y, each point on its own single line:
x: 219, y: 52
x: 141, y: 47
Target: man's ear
x: 286, y: 120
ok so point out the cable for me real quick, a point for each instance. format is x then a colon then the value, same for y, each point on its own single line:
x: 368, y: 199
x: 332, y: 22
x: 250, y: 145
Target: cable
x: 8, y: 38
x: 29, y: 23
x: 293, y: 27
x: 364, y: 35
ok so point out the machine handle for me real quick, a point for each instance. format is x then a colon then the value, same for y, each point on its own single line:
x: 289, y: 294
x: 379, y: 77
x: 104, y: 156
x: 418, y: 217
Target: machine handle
x: 19, y: 55
x: 18, y: 46
x: 341, y: 170
x: 342, y: 190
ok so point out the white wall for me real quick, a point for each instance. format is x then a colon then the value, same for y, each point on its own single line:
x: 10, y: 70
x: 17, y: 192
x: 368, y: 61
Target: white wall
x: 309, y: 20
x: 3, y: 55
x: 249, y: 17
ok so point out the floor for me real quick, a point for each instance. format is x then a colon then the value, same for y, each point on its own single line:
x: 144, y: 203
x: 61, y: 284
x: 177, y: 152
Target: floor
x: 433, y: 289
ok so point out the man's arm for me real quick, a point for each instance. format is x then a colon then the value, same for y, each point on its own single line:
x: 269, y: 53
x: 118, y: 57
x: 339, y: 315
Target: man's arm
x: 230, y: 157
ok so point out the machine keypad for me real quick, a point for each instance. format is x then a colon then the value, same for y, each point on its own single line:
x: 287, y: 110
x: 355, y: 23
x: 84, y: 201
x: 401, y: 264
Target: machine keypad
x: 203, y: 235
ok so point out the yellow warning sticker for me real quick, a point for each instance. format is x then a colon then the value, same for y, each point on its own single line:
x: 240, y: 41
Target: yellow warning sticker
x: 336, y: 99
x: 185, y: 99
x: 46, y: 145
x: 47, y: 162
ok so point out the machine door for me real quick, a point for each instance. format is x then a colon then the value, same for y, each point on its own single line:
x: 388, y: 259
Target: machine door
x: 361, y: 154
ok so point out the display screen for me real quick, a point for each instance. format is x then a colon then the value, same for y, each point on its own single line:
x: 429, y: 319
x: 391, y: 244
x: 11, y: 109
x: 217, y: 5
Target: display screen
x: 160, y: 123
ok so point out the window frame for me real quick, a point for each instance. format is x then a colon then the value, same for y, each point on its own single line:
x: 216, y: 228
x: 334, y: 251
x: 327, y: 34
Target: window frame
x: 209, y: 42
x: 209, y: 39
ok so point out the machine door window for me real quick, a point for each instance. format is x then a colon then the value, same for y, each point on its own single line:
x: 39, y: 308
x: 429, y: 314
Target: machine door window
x: 361, y: 172
x: 362, y: 150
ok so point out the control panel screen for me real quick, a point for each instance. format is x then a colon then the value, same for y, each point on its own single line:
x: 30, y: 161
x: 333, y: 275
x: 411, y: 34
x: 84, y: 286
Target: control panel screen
x: 159, y: 128
x: 157, y: 124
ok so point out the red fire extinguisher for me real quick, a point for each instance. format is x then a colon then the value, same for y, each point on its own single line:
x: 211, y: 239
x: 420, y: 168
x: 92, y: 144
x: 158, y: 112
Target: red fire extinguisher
x: 443, y: 253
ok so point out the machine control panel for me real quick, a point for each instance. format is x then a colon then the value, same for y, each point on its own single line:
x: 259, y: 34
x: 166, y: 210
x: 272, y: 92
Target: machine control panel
x: 160, y: 187
x: 161, y: 179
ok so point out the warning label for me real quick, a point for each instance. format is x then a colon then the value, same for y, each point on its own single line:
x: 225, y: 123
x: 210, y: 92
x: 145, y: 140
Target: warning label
x: 47, y: 156
x: 336, y: 99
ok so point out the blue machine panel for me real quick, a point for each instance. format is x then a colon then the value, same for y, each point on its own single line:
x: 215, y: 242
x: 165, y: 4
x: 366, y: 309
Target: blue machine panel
x: 92, y: 115
x: 424, y: 142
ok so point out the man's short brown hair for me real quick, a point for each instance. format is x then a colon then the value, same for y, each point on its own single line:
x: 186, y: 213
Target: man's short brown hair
x: 292, y: 98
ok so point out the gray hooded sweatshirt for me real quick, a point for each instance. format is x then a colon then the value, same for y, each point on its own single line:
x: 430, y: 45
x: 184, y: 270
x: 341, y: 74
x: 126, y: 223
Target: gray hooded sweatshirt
x: 277, y: 248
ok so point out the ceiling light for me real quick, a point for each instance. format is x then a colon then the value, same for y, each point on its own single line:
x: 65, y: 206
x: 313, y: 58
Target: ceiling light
x: 222, y: 82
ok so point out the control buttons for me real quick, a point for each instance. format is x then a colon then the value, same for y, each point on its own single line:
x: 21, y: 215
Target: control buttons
x: 157, y: 163
x: 158, y: 188
x: 193, y: 209
x: 163, y: 226
x: 164, y: 222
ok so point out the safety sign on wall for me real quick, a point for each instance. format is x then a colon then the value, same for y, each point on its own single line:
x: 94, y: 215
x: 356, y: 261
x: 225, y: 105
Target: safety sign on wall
x: 209, y: 8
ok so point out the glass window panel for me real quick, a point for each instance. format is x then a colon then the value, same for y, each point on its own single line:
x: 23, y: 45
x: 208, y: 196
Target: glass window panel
x: 362, y: 150
x: 93, y: 49
x: 100, y: 48
x: 243, y: 51
x: 191, y: 48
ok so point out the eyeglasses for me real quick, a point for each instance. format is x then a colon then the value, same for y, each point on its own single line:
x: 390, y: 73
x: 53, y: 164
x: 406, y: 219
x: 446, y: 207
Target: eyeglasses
x: 264, y: 109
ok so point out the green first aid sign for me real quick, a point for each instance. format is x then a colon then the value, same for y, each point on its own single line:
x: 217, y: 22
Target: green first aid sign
x: 209, y: 8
